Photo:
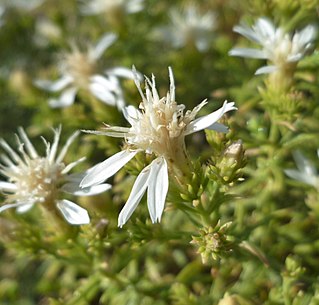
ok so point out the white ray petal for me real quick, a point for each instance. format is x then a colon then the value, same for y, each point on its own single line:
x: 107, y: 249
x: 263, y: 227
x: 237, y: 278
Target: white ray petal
x: 66, y: 146
x: 122, y: 72
x: 54, y: 147
x: 75, y: 189
x: 248, y: 52
x: 66, y: 99
x: 131, y: 114
x: 28, y: 145
x: 208, y: 120
x: 8, y: 187
x: 23, y: 208
x: 56, y: 85
x: 303, y: 164
x: 266, y: 28
x: 103, y: 94
x: 73, y: 213
x: 9, y: 206
x: 266, y: 70
x: 135, y: 197
x: 172, y: 84
x: 71, y: 165
x: 218, y: 127
x: 107, y: 168
x: 301, y: 176
x: 157, y: 189
x: 106, y: 41
x: 12, y: 154
x: 247, y: 32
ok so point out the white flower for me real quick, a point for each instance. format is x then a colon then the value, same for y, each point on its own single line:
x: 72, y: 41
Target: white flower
x: 306, y: 172
x: 95, y: 7
x: 282, y: 49
x: 189, y: 27
x: 33, y: 179
x: 159, y: 127
x: 79, y: 71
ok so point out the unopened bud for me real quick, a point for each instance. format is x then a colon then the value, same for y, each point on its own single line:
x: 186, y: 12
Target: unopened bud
x: 232, y: 160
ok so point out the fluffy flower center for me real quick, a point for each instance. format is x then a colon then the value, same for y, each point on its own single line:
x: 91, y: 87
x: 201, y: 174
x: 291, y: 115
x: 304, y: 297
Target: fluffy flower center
x: 80, y: 66
x: 36, y: 181
x: 160, y: 125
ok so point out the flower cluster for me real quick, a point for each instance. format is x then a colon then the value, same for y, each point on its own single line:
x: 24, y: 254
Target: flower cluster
x: 33, y: 179
x: 79, y: 71
x: 282, y: 49
x: 159, y: 128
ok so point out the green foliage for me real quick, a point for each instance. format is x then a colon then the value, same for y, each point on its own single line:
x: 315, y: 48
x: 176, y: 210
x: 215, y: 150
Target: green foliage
x: 236, y: 230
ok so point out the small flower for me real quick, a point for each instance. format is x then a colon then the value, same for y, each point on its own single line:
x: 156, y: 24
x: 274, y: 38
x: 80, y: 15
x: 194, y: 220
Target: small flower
x: 79, y: 71
x: 306, y: 172
x: 159, y: 127
x: 282, y: 49
x: 95, y: 7
x: 33, y: 179
x: 189, y: 27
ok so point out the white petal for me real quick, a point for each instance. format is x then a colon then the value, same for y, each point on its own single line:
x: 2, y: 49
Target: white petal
x: 103, y: 94
x: 71, y: 165
x: 107, y: 168
x: 8, y: 187
x: 247, y: 32
x: 66, y: 99
x: 110, y: 83
x: 301, y: 176
x: 73, y: 213
x: 131, y: 114
x: 75, y: 189
x: 122, y: 72
x: 294, y: 57
x: 157, y: 189
x: 135, y: 197
x: 23, y: 208
x: 218, y: 127
x: 307, y: 35
x: 9, y: 206
x: 248, y: 52
x: 102, y: 45
x: 28, y: 145
x: 303, y: 164
x: 265, y: 29
x: 54, y: 147
x: 66, y: 146
x: 54, y: 86
x: 266, y: 70
x: 208, y: 120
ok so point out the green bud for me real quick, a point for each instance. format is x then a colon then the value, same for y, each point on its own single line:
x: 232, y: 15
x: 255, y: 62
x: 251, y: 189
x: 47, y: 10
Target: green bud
x: 213, y: 242
x: 232, y: 160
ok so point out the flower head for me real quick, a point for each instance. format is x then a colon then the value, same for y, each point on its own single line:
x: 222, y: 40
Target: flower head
x: 282, y: 49
x: 79, y: 71
x: 158, y: 127
x: 306, y: 172
x: 189, y: 27
x: 33, y: 179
